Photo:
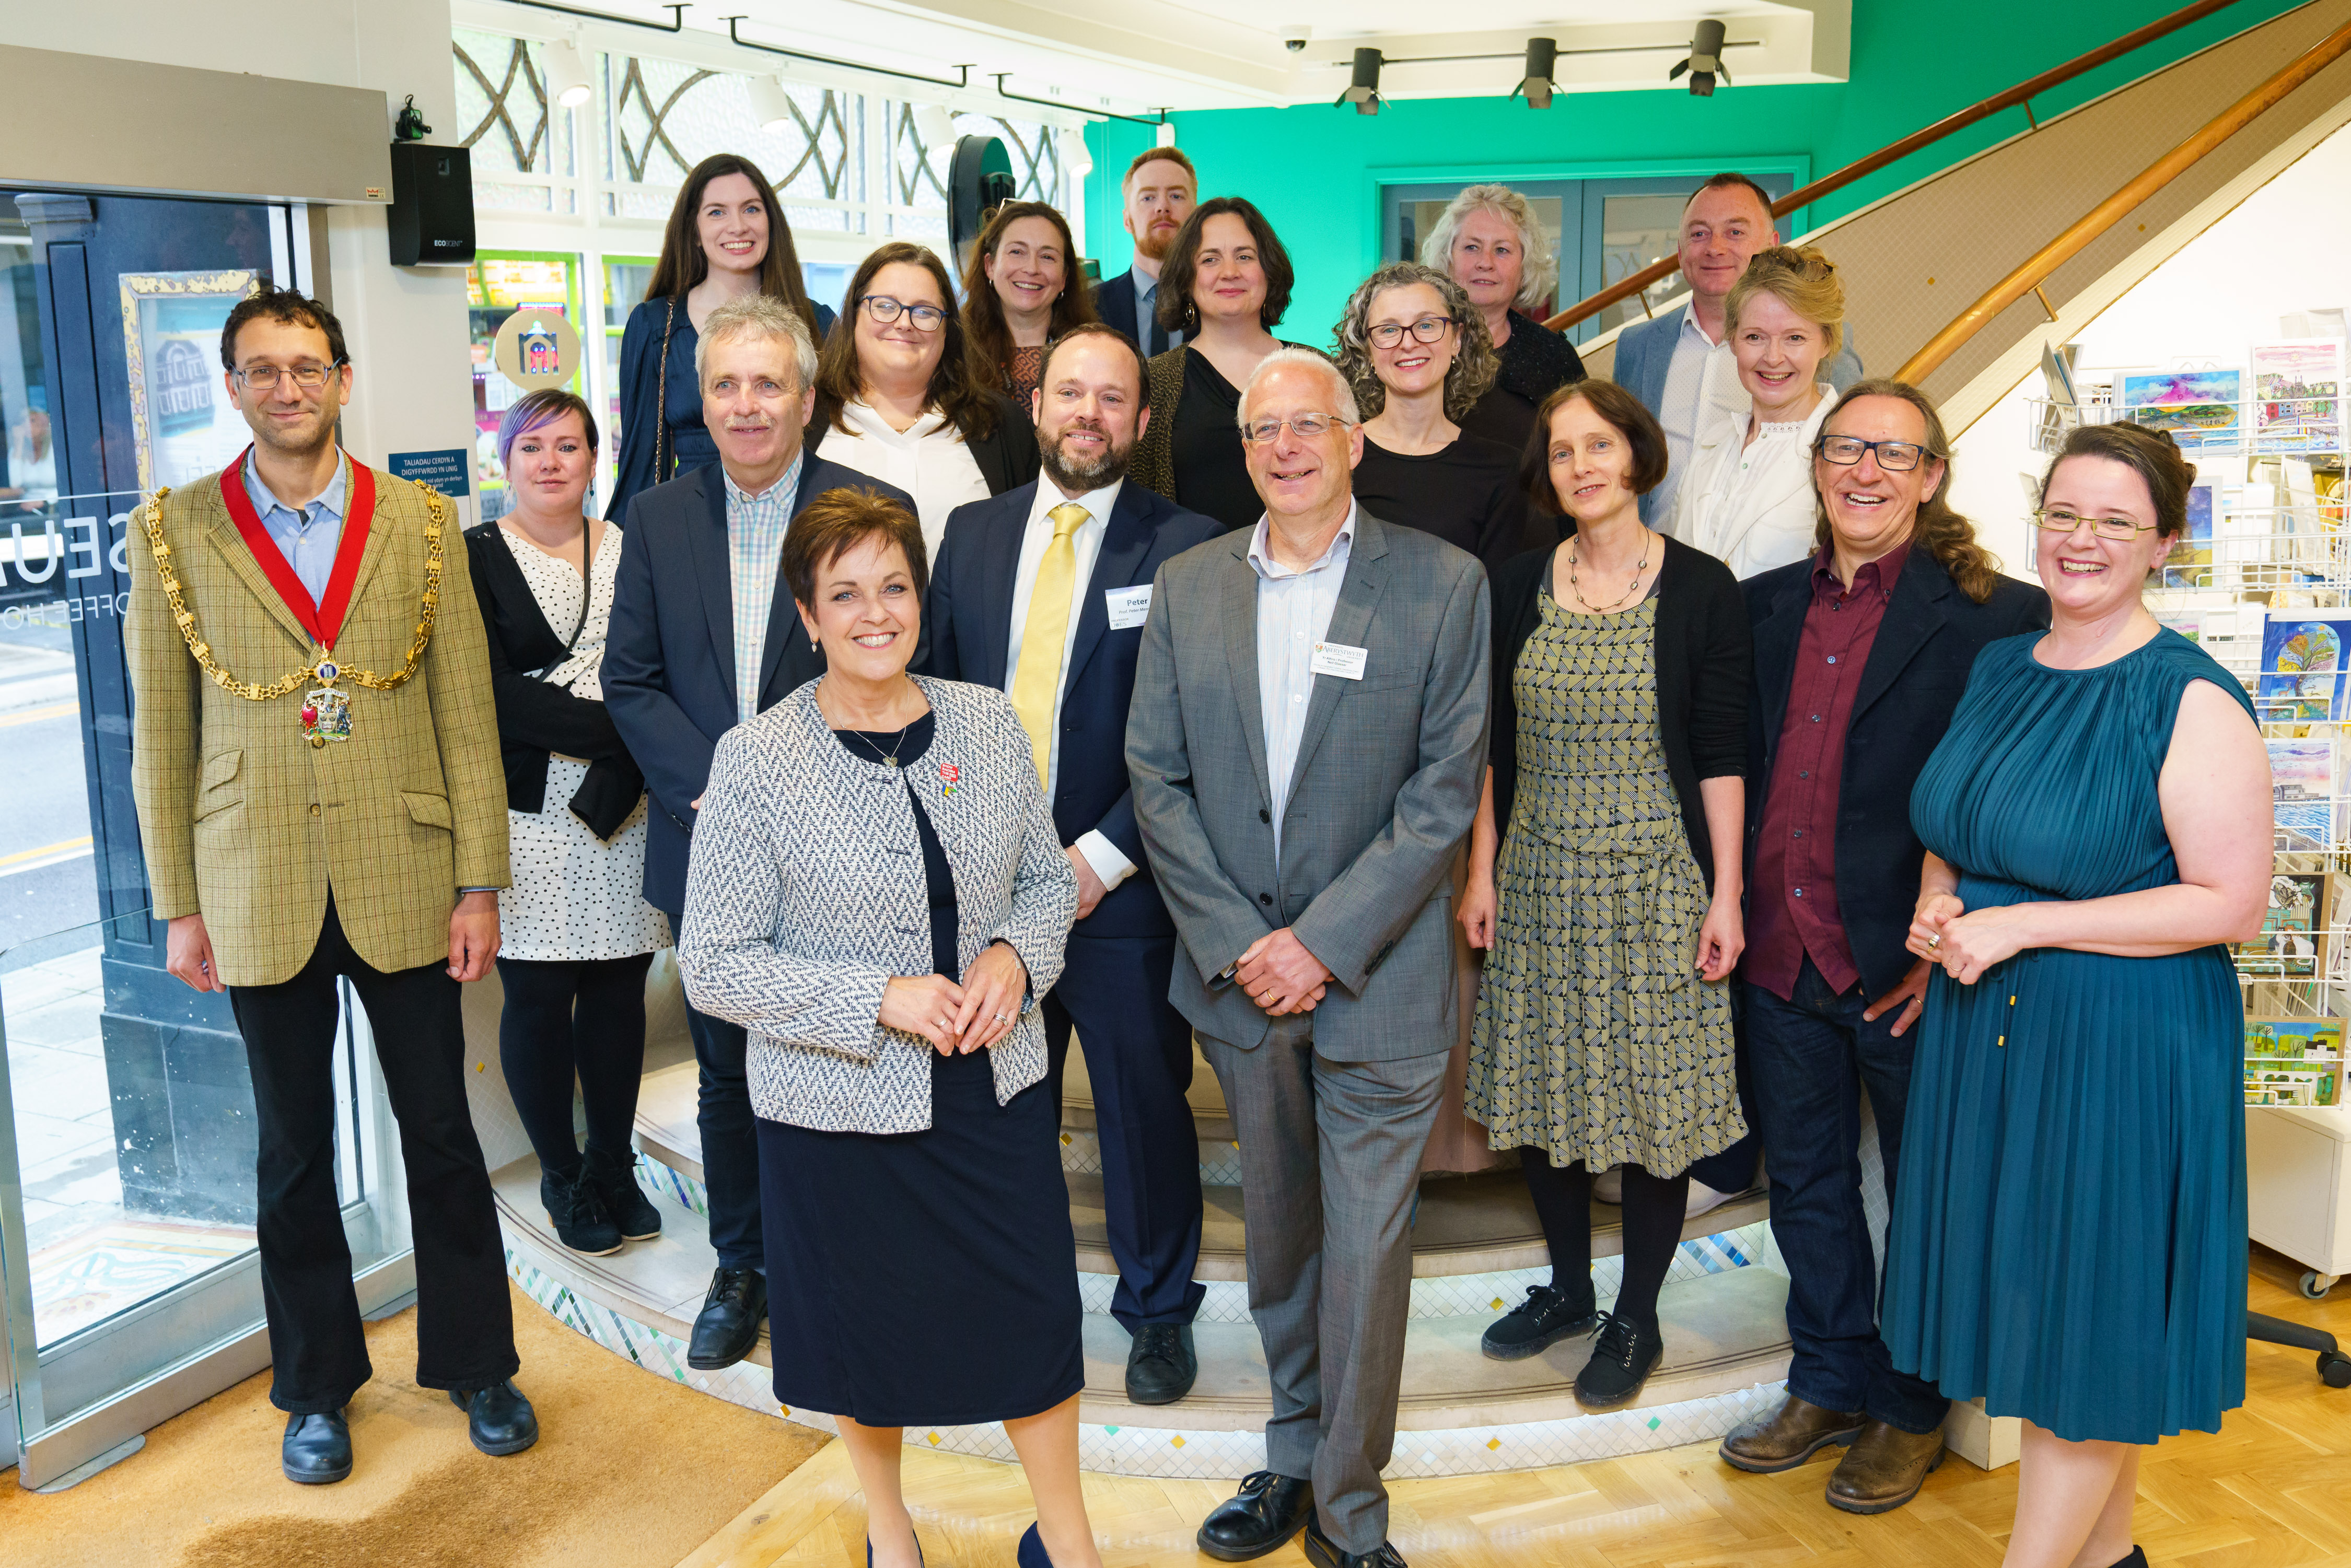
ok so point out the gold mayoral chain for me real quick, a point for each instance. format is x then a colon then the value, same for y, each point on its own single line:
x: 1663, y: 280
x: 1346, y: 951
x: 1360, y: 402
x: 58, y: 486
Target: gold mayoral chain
x: 326, y: 713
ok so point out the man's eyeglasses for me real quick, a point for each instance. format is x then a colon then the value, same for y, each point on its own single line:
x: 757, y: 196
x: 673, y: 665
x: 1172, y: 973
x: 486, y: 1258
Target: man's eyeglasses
x: 264, y: 378
x: 884, y: 310
x: 2062, y: 522
x: 1894, y: 456
x: 1306, y: 426
x: 1428, y: 330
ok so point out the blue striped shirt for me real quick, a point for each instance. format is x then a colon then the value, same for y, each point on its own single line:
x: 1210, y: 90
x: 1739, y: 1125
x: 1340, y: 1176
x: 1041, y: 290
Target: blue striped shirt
x: 756, y: 526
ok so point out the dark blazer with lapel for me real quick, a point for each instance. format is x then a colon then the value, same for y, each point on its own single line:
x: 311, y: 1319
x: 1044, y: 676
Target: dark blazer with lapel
x: 969, y: 619
x: 1917, y: 668
x: 1006, y: 456
x: 669, y: 658
x: 1114, y: 304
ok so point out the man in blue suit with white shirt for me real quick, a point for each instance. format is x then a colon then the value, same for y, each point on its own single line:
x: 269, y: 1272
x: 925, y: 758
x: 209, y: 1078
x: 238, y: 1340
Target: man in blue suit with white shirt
x: 1043, y: 592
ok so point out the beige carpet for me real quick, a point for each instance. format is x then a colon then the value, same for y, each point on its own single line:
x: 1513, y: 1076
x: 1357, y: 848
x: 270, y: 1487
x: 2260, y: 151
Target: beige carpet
x: 630, y: 1471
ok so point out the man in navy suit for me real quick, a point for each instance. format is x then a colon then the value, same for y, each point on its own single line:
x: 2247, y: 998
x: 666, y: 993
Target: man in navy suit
x: 704, y: 636
x: 1160, y: 191
x: 1043, y: 590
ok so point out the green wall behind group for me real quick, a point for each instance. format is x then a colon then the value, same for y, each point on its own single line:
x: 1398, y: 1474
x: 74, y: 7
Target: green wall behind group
x: 1316, y: 171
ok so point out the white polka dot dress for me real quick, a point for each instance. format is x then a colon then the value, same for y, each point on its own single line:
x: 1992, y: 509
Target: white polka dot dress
x: 575, y: 896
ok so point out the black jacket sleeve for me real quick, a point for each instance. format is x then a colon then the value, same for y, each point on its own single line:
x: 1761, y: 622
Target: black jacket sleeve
x: 1726, y: 679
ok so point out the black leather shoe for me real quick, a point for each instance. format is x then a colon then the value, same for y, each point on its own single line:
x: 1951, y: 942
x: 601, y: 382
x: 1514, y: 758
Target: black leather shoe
x: 614, y: 1178
x: 318, y: 1448
x: 1323, y: 1551
x: 1265, y: 1514
x: 728, y: 1324
x: 498, y: 1419
x: 1160, y: 1364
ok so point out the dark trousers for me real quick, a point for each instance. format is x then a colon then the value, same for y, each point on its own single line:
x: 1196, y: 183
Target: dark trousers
x: 567, y: 1018
x: 1810, y: 1057
x: 1113, y: 991
x: 730, y: 1140
x: 1733, y: 1169
x: 464, y: 1324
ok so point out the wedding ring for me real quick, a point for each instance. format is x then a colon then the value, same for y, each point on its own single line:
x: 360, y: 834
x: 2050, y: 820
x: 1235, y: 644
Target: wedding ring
x: 1936, y: 940
x: 1003, y: 1017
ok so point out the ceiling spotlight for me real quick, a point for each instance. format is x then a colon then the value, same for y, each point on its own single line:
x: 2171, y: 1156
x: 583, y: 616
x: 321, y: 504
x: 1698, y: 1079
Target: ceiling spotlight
x: 1364, y: 92
x: 1705, y: 62
x: 567, y: 72
x: 1075, y: 160
x: 771, y: 106
x: 934, y: 123
x: 1543, y: 56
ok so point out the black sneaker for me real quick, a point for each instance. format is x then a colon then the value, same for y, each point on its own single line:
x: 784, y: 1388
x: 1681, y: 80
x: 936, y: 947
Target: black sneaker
x: 577, y: 1211
x: 1546, y: 1317
x: 615, y: 1178
x: 1622, y: 1359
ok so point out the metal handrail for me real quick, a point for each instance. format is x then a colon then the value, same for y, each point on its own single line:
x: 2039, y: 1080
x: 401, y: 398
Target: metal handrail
x: 2022, y: 93
x: 2035, y: 270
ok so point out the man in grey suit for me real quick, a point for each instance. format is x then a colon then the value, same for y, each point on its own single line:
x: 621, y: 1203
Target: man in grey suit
x: 1674, y: 362
x: 1306, y: 746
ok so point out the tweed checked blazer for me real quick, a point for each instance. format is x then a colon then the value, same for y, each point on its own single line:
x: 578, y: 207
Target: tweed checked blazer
x: 806, y: 895
x: 1388, y: 775
x: 244, y: 820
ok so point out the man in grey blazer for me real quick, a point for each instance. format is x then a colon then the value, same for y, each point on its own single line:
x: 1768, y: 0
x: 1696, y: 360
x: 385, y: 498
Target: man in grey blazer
x: 1306, y: 745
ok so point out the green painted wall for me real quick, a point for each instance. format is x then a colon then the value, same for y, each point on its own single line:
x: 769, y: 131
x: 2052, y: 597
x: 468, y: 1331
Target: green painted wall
x: 1316, y: 171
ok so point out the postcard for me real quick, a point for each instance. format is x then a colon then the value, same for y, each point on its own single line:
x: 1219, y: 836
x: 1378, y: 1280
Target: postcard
x: 2293, y: 928
x: 2189, y: 564
x: 2199, y: 407
x: 2296, y: 401
x: 2302, y: 779
x: 2302, y: 669
x: 2292, y: 1060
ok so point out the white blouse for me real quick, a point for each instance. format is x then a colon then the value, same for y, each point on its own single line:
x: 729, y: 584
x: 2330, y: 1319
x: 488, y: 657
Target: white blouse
x: 1751, y: 504
x: 927, y: 460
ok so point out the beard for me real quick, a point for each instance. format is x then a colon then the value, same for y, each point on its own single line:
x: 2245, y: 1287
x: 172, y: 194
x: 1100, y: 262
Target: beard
x: 300, y: 442
x: 1073, y: 475
x: 1154, y: 241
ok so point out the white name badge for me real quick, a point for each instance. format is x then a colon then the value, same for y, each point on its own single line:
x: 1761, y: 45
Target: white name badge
x: 1129, y: 607
x: 1340, y: 660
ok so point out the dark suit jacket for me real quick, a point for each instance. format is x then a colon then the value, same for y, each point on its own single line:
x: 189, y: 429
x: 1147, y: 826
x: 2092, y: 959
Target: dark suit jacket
x: 1006, y: 456
x: 669, y: 658
x: 969, y: 619
x: 1917, y: 670
x: 1114, y: 304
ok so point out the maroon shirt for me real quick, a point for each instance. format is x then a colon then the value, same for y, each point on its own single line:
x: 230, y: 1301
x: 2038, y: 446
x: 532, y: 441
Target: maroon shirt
x: 1792, y: 899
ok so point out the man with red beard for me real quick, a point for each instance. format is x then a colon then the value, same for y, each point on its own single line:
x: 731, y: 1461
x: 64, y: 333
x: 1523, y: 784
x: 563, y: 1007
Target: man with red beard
x: 1160, y: 189
x: 1042, y: 592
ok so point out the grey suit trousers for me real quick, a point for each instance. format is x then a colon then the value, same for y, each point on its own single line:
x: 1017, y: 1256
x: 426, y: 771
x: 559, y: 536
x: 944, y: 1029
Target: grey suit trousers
x: 1329, y: 1166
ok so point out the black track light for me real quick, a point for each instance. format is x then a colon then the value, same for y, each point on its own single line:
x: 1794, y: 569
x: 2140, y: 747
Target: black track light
x: 1543, y: 58
x: 1705, y: 62
x: 1364, y: 92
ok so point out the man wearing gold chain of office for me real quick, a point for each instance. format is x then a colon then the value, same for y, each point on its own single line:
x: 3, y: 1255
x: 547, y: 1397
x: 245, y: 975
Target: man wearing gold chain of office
x: 316, y: 763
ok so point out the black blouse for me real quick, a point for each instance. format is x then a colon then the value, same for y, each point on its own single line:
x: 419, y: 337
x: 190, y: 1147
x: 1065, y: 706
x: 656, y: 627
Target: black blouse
x: 938, y: 878
x: 1536, y: 362
x: 1467, y: 495
x: 1211, y: 469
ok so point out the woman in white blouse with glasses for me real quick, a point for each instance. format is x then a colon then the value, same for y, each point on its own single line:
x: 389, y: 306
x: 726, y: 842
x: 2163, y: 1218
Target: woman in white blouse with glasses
x: 1748, y: 498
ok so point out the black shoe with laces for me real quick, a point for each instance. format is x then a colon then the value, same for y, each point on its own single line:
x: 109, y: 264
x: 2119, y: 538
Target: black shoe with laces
x: 1546, y: 1317
x: 615, y: 1178
x: 577, y: 1211
x: 1161, y: 1366
x: 1622, y: 1359
x: 727, y: 1327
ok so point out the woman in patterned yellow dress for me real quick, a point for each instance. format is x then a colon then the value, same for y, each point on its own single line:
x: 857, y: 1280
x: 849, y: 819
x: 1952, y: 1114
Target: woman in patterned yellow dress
x: 1605, y: 876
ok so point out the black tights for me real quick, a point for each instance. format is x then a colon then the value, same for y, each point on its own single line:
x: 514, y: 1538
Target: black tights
x: 1654, y: 1208
x: 544, y: 1039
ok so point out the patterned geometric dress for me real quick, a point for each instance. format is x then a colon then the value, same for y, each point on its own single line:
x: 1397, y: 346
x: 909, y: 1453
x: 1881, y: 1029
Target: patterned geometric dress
x: 1596, y: 1039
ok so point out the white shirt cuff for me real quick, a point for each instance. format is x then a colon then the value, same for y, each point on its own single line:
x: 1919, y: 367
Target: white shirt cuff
x: 1103, y: 855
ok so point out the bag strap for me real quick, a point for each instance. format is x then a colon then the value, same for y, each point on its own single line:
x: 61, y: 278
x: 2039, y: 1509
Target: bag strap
x: 660, y: 391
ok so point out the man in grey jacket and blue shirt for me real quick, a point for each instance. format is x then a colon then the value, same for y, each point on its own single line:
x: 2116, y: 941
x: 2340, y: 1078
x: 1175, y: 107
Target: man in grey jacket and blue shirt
x: 1306, y: 766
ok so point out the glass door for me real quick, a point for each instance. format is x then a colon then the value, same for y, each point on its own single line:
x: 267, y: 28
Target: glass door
x: 501, y: 283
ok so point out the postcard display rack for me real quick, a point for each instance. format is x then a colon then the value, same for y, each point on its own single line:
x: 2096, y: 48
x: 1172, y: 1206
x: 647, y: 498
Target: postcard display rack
x: 2262, y: 581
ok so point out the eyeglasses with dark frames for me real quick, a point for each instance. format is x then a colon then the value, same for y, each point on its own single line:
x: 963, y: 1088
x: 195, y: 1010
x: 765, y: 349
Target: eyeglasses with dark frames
x: 1894, y: 456
x: 1428, y: 330
x: 885, y: 309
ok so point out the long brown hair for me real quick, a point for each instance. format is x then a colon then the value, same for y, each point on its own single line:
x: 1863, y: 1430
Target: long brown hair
x: 955, y: 392
x: 984, y: 325
x: 683, y: 263
x: 1949, y: 537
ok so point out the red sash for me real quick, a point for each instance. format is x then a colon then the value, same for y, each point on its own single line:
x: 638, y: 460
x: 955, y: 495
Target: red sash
x: 323, y: 621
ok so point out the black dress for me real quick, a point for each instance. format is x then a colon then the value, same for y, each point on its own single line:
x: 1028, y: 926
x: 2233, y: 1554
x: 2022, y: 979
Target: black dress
x: 1536, y: 362
x: 1211, y: 471
x: 1465, y: 494
x: 924, y: 1279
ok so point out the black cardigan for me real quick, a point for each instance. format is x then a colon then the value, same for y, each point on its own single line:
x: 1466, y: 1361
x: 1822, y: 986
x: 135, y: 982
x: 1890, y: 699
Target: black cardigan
x: 1006, y: 456
x: 534, y: 718
x: 1705, y: 670
x: 1535, y: 362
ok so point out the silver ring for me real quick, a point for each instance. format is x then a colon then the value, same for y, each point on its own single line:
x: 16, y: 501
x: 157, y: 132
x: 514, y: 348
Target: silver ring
x: 1936, y: 940
x: 938, y: 1023
x: 1003, y: 1017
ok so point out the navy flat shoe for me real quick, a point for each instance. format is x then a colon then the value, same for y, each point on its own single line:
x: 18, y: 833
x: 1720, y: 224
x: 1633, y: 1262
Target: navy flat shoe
x: 1032, y: 1550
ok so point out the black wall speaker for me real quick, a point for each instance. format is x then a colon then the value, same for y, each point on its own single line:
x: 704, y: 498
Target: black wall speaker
x: 431, y: 218
x: 979, y: 180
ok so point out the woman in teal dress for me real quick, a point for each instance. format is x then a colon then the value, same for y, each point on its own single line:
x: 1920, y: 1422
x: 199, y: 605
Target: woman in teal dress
x: 2068, y: 1240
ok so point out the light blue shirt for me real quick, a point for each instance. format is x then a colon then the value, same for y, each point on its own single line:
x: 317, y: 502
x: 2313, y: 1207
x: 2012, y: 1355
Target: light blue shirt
x: 1293, y: 611
x: 1146, y: 308
x: 756, y: 526
x: 307, y: 537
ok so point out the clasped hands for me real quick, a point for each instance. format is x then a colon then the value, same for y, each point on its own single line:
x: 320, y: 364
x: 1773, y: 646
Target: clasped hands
x: 1966, y: 945
x: 1279, y: 974
x: 960, y: 1018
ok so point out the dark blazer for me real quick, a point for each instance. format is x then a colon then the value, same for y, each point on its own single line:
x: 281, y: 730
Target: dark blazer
x: 1535, y: 362
x: 535, y: 718
x: 970, y: 621
x: 1114, y: 304
x: 1918, y: 667
x: 669, y: 658
x: 1006, y: 456
x: 1705, y: 668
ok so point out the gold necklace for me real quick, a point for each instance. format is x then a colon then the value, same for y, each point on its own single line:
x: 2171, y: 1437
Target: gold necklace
x: 1575, y: 588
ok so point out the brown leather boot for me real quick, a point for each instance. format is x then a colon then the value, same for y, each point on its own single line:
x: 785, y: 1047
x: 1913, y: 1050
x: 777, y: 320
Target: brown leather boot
x: 1787, y: 1437
x: 1884, y: 1468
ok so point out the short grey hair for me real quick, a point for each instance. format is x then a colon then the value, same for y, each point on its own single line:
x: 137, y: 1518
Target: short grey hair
x: 757, y: 316
x: 1342, y: 395
x: 1537, y: 273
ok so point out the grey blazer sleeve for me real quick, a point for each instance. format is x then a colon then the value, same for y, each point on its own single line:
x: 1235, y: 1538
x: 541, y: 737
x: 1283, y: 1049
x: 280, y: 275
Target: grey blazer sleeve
x: 1354, y: 920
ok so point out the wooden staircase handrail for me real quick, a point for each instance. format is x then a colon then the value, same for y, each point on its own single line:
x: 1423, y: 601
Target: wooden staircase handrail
x: 1829, y: 184
x: 2035, y: 269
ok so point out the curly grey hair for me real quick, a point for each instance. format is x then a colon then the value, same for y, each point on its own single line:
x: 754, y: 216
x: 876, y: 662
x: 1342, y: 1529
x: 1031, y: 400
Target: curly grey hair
x: 1474, y: 364
x: 1539, y: 270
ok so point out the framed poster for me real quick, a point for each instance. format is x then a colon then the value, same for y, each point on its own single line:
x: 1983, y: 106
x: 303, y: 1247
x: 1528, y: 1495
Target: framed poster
x: 182, y: 421
x: 2296, y: 403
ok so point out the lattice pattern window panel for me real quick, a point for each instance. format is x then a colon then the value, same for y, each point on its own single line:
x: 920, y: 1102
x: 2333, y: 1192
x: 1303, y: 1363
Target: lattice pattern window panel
x: 1035, y: 150
x: 503, y: 108
x: 666, y: 116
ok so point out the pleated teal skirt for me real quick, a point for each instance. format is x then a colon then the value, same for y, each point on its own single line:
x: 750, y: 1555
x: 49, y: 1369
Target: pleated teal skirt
x: 2068, y: 1236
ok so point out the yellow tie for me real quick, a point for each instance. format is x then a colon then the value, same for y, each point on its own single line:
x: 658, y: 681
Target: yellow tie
x: 1037, y: 683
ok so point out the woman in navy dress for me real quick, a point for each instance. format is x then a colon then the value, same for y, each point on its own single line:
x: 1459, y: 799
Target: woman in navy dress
x: 2068, y: 1238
